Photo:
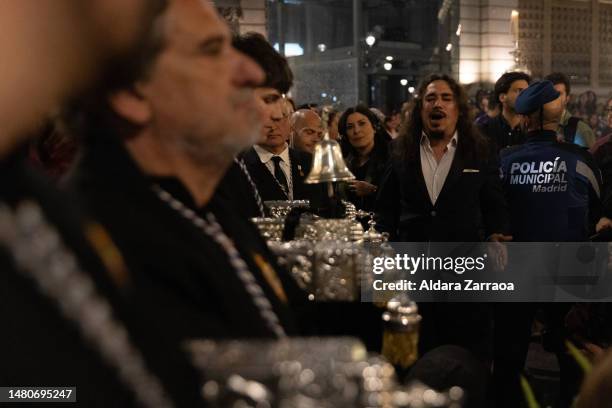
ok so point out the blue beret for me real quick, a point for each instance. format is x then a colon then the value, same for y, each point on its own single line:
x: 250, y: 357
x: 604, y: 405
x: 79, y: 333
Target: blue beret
x: 535, y: 96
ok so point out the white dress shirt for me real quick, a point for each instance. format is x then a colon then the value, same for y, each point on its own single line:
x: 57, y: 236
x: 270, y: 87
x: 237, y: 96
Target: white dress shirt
x: 285, y: 164
x: 435, y: 172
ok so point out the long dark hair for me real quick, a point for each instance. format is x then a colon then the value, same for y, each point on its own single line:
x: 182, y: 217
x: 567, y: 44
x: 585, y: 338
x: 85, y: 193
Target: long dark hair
x: 381, y: 137
x: 472, y: 143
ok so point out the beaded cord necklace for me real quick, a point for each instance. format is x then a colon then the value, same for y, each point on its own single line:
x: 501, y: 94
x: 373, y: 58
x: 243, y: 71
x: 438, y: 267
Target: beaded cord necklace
x: 213, y: 229
x: 247, y: 174
x: 40, y: 255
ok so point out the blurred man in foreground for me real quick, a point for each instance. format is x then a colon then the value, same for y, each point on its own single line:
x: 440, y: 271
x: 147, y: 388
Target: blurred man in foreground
x: 65, y: 322
x: 170, y: 136
x: 75, y: 41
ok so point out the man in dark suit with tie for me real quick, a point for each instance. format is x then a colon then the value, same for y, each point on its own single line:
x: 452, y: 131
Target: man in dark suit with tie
x: 441, y: 185
x: 270, y: 170
x: 279, y: 175
x: 277, y: 170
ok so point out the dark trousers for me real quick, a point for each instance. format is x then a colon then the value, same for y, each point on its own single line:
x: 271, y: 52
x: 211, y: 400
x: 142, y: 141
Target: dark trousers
x: 512, y: 333
x: 461, y: 324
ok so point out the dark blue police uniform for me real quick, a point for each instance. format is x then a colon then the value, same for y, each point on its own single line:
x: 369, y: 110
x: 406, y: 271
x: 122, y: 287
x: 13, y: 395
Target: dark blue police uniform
x: 552, y: 189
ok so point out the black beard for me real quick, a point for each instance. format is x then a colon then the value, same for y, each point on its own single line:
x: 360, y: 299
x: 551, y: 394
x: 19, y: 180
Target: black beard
x: 436, y: 135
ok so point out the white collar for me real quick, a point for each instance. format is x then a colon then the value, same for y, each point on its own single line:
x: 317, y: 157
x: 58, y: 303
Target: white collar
x: 451, y: 143
x: 265, y: 156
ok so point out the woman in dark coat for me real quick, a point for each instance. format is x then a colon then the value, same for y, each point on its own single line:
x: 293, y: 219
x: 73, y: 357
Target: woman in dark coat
x: 366, y: 153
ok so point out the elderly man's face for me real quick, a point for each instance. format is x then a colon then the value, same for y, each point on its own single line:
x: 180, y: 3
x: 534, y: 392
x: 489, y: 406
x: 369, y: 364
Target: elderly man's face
x: 200, y: 89
x: 440, y: 111
x: 307, y: 130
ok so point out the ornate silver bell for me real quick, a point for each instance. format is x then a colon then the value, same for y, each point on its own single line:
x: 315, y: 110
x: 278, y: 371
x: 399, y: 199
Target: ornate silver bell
x: 328, y: 164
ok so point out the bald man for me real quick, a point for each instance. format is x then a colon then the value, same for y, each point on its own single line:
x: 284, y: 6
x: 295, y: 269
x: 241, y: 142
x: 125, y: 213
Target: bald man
x: 306, y: 130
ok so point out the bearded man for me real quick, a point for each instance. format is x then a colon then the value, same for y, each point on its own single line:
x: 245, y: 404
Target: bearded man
x: 442, y: 185
x: 154, y: 153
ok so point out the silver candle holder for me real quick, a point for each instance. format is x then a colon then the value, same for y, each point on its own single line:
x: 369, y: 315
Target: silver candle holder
x: 306, y: 372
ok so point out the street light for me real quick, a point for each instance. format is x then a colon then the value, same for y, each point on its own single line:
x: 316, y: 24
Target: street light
x: 404, y: 81
x: 387, y: 66
x: 370, y: 40
x: 389, y: 58
x: 411, y: 89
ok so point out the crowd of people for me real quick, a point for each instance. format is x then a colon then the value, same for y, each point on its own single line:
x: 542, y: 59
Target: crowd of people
x: 163, y: 136
x: 585, y: 106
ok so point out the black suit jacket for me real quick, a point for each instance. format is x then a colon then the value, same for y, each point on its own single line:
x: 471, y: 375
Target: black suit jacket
x: 235, y: 189
x: 180, y: 274
x: 267, y: 185
x: 41, y: 346
x: 471, y: 205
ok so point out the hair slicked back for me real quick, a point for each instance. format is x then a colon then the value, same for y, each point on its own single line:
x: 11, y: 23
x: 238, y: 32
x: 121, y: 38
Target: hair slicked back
x: 276, y: 67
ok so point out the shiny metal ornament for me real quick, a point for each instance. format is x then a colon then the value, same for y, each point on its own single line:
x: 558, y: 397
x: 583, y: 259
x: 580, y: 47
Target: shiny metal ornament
x: 322, y: 372
x: 401, y: 335
x: 328, y: 165
x: 280, y: 208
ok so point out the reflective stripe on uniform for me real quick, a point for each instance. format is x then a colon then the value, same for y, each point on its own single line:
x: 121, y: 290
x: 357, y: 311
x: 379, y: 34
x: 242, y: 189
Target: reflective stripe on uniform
x: 583, y: 169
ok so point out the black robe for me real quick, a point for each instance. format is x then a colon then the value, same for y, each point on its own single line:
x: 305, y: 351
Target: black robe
x: 181, y: 276
x: 236, y: 190
x: 40, y: 346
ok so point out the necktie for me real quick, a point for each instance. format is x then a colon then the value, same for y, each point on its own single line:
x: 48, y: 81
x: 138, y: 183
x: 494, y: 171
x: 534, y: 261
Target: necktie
x: 280, y: 175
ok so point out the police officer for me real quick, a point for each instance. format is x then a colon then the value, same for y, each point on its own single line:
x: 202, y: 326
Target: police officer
x: 553, y: 189
x: 553, y: 193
